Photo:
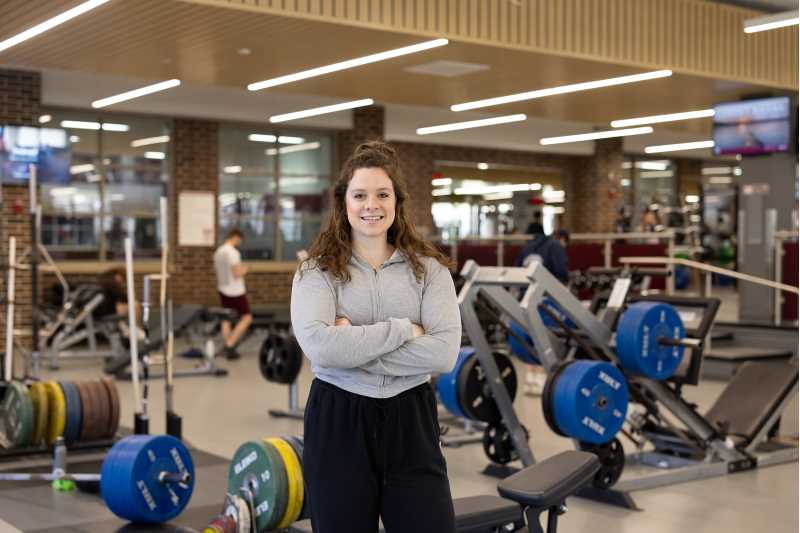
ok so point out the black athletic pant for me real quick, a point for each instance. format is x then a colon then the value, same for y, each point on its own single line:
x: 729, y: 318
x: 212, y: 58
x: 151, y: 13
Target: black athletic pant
x: 366, y: 458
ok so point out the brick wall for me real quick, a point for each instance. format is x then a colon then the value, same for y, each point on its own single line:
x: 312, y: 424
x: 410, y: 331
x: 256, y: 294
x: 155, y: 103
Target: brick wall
x: 368, y: 125
x: 592, y: 188
x: 20, y: 101
x: 688, y: 177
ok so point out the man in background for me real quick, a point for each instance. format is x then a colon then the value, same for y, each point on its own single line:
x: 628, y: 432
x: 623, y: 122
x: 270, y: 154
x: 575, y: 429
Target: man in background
x: 232, y: 293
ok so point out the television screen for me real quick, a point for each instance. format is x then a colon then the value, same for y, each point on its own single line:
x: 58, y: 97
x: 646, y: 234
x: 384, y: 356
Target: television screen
x: 752, y: 127
x: 48, y: 148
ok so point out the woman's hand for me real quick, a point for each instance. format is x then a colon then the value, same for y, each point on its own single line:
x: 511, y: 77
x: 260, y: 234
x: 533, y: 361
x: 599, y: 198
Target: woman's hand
x: 418, y: 330
x: 342, y: 321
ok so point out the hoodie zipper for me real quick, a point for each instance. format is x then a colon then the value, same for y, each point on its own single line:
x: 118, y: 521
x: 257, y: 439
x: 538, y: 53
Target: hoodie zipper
x: 382, y: 386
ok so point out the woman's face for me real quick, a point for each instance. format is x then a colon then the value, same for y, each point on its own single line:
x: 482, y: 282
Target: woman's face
x: 370, y: 203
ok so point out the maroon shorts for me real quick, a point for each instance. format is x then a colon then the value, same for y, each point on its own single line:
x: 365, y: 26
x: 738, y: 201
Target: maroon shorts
x: 237, y: 303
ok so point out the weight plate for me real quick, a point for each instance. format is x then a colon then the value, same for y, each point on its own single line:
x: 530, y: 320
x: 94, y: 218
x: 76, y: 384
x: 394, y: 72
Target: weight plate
x: 280, y: 358
x: 103, y: 409
x: 590, y: 399
x: 264, y: 356
x: 72, y: 399
x: 297, y: 445
x: 526, y: 355
x: 113, y: 398
x: 56, y: 407
x: 88, y: 411
x: 474, y: 393
x: 130, y: 482
x: 446, y: 385
x: 16, y: 414
x: 294, y: 476
x: 258, y: 467
x: 293, y: 356
x: 612, y: 462
x: 547, y: 398
x: 497, y: 444
x: 38, y: 394
x: 548, y: 321
x: 638, y: 333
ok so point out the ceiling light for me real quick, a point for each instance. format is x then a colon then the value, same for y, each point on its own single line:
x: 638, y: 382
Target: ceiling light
x: 676, y: 147
x: 656, y: 119
x: 155, y: 155
x: 737, y: 171
x: 244, y: 51
x: 625, y: 182
x: 441, y: 181
x: 471, y: 124
x: 79, y: 169
x: 470, y: 190
x: 575, y: 87
x: 771, y: 22
x: 51, y: 23
x: 149, y: 140
x: 321, y: 110
x: 357, y: 62
x: 656, y: 174
x: 442, y: 192
x: 483, y: 166
x: 233, y: 169
x: 716, y: 170
x: 136, y: 93
x: 292, y: 149
x: 647, y: 165
x: 596, y: 135
x: 74, y: 139
x: 692, y: 198
x: 83, y: 125
x: 553, y: 196
x: 499, y: 196
x: 283, y: 139
x: 44, y: 119
x: 720, y: 180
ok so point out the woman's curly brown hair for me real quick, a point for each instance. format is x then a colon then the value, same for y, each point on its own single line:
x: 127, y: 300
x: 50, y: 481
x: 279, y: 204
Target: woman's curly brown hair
x: 333, y: 247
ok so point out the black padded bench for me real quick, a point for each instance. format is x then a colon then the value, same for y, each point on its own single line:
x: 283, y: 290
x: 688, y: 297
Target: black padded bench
x: 537, y: 488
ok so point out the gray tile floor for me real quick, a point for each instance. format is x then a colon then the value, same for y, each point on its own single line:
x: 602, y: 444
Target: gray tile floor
x: 221, y: 413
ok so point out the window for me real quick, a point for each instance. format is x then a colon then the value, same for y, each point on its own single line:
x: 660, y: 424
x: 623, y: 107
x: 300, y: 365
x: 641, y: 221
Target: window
x: 118, y: 172
x: 278, y: 217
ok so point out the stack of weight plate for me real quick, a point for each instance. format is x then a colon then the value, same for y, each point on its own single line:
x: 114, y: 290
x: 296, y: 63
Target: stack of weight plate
x: 268, y: 474
x: 38, y: 414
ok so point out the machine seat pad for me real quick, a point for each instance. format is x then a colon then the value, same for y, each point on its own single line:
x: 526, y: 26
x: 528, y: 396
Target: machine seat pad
x: 549, y: 482
x: 474, y: 514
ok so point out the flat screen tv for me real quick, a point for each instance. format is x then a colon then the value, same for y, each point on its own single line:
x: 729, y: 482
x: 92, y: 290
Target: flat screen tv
x: 48, y: 148
x: 753, y: 127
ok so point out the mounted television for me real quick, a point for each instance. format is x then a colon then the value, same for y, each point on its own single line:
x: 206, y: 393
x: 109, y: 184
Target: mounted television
x: 753, y: 127
x: 48, y: 148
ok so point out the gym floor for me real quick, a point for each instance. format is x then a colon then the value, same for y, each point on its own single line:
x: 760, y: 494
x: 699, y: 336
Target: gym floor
x: 221, y: 413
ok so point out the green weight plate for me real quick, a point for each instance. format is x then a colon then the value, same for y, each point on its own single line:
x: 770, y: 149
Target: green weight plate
x: 38, y: 393
x: 16, y: 414
x: 258, y: 466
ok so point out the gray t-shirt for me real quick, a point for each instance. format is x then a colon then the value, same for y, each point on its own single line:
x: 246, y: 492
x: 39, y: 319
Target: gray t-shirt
x: 378, y: 355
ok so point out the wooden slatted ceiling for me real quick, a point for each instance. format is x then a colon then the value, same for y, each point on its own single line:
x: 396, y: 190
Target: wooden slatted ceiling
x: 197, y: 42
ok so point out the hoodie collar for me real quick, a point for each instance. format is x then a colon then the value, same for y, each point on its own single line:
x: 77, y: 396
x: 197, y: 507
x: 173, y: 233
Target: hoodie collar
x: 396, y: 257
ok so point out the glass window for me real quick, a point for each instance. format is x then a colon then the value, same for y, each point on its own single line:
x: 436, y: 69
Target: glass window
x: 118, y: 172
x: 278, y: 217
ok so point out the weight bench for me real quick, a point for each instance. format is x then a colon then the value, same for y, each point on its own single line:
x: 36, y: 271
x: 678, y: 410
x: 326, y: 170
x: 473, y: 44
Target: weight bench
x: 538, y: 488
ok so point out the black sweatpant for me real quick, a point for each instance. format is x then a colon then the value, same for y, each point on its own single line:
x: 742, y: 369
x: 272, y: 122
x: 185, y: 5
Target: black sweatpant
x: 365, y: 458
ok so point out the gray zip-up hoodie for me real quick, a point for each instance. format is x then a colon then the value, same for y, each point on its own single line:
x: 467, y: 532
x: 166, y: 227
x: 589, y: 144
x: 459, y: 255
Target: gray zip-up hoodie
x: 378, y: 355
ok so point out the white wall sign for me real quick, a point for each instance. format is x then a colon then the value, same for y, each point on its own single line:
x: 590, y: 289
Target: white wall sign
x: 196, y: 218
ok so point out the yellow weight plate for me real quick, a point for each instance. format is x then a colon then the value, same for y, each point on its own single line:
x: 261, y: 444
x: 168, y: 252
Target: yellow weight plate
x: 57, y: 408
x: 295, y: 474
x: 38, y: 393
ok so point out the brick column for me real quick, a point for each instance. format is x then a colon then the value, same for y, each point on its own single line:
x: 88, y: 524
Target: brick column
x: 593, y: 191
x: 20, y: 102
x: 195, y: 151
x: 688, y: 177
x: 368, y: 125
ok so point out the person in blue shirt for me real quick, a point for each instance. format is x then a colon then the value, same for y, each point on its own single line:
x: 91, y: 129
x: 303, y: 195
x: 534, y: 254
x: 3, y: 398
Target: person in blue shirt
x: 550, y: 251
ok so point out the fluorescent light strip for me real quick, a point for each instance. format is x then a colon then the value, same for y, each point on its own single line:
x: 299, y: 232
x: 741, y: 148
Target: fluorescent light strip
x: 720, y: 180
x: 471, y: 124
x: 136, y: 93
x: 357, y: 62
x: 677, y: 147
x: 321, y: 110
x: 436, y: 182
x: 51, y: 23
x: 575, y: 87
x: 44, y: 119
x: 656, y: 174
x: 233, y: 169
x: 136, y: 143
x: 154, y: 155
x: 716, y: 170
x: 292, y: 149
x: 657, y: 119
x: 771, y: 22
x: 83, y: 125
x: 492, y: 189
x: 596, y: 135
x: 266, y: 138
x: 79, y: 169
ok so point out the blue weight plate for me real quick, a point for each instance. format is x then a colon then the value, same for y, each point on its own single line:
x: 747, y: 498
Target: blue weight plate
x: 447, y: 386
x: 72, y: 400
x: 137, y: 494
x: 517, y: 347
x: 638, y: 333
x: 590, y: 401
x: 109, y: 474
x: 548, y: 321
